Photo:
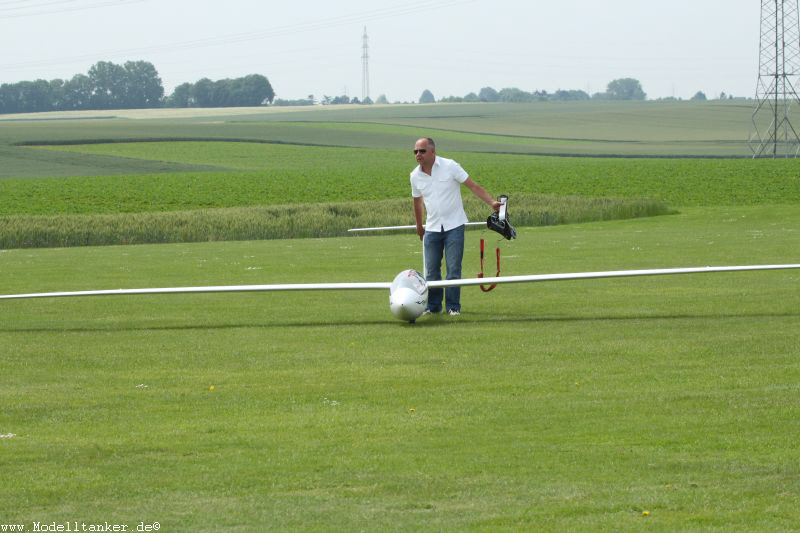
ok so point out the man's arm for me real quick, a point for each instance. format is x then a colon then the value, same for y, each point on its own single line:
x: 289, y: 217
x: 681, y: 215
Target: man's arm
x: 481, y: 193
x: 418, y: 211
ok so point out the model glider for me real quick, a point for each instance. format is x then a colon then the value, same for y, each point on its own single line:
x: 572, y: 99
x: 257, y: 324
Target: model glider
x: 408, y: 293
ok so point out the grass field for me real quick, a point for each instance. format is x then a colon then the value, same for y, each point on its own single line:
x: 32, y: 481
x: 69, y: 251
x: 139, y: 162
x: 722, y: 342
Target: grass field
x: 663, y: 404
x: 564, y: 407
x: 602, y: 128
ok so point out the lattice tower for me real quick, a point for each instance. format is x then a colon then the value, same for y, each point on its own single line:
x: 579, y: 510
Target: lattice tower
x: 365, y: 66
x: 772, y: 132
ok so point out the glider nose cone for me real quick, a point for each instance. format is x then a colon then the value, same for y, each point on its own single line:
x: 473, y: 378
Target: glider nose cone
x: 408, y: 296
x: 407, y: 304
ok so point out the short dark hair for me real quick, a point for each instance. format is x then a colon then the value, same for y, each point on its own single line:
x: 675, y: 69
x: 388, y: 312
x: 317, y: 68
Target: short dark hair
x: 430, y: 142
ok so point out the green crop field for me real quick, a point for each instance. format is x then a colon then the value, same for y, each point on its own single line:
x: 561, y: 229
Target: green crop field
x: 662, y: 403
x: 604, y: 128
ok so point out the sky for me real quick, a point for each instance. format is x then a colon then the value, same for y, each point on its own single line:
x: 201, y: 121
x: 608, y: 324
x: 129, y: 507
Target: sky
x: 450, y: 47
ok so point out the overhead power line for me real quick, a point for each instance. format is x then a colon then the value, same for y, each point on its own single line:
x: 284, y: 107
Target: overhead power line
x: 233, y: 38
x: 4, y: 15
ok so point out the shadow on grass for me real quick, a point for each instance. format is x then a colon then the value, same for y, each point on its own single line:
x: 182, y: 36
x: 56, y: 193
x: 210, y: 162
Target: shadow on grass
x: 435, y: 322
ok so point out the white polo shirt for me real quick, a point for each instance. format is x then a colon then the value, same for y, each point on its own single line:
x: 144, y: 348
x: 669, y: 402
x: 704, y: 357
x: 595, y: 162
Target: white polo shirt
x: 441, y: 192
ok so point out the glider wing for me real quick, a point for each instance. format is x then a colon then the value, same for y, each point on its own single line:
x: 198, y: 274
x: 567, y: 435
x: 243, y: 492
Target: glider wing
x: 595, y: 275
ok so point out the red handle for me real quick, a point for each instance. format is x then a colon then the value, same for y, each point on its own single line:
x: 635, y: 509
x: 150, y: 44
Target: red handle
x: 480, y: 275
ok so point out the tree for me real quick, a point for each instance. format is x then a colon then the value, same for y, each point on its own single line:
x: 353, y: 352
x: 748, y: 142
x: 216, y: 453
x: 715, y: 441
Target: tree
x: 426, y: 97
x: 301, y: 102
x: 202, y: 93
x: 514, y: 95
x: 135, y: 84
x: 7, y: 99
x: 107, y: 85
x: 699, y: 96
x: 381, y: 99
x: 220, y: 93
x: 78, y: 92
x: 26, y: 97
x: 35, y: 96
x: 181, y: 96
x: 487, y: 94
x: 249, y: 91
x: 10, y: 98
x: 574, y: 94
x: 143, y: 85
x: 57, y: 95
x: 625, y: 89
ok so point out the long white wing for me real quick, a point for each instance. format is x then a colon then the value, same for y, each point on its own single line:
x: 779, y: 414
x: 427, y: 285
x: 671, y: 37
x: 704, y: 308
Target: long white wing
x: 222, y: 288
x: 388, y: 285
x: 595, y: 275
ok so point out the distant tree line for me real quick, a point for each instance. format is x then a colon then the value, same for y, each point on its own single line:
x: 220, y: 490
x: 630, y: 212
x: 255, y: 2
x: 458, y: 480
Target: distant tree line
x: 106, y: 86
x: 344, y: 99
x: 248, y: 91
x: 309, y: 100
x: 700, y: 96
x: 511, y: 94
x: 137, y: 85
x: 620, y: 89
x: 331, y: 100
x: 133, y: 85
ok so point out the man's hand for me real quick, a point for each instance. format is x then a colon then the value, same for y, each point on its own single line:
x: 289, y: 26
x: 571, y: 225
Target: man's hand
x: 419, y: 204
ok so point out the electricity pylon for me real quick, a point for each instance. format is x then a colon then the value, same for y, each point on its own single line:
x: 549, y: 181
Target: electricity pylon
x: 778, y: 69
x: 365, y: 67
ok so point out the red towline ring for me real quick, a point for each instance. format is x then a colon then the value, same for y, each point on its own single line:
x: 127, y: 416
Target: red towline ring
x: 480, y: 274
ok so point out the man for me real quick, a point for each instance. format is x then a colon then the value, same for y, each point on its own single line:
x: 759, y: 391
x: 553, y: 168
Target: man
x: 436, y: 185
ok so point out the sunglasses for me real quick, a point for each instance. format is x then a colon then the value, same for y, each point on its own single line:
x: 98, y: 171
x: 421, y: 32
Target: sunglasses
x: 420, y: 151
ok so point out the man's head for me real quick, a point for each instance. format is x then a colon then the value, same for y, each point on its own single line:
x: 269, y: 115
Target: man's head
x: 425, y: 151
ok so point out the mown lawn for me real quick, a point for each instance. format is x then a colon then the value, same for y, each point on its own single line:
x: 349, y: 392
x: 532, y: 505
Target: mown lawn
x: 668, y: 403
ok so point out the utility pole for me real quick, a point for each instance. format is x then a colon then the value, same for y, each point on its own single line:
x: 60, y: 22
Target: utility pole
x: 772, y: 134
x: 365, y: 67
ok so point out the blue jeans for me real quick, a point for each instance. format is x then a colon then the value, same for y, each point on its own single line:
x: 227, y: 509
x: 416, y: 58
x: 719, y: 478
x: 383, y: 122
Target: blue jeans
x: 449, y: 244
